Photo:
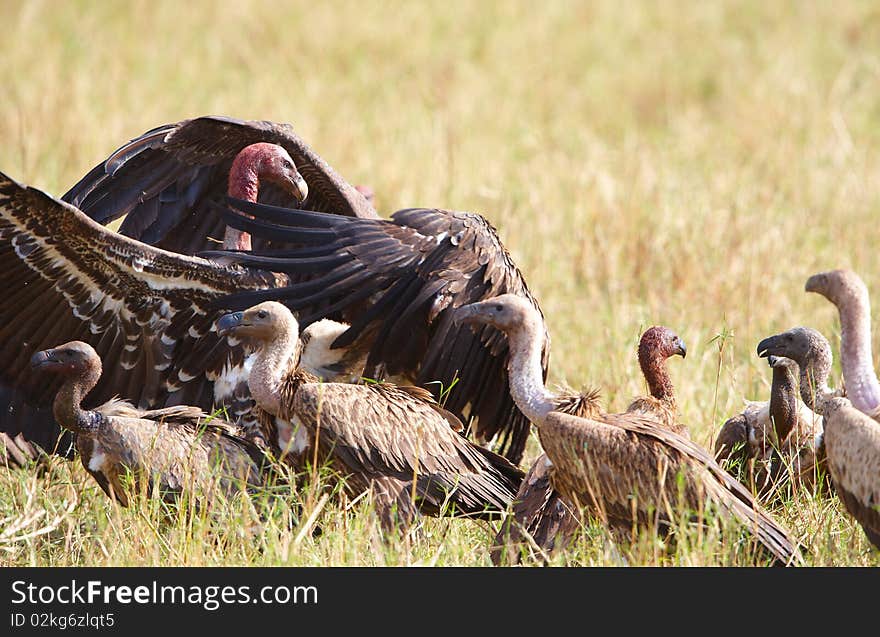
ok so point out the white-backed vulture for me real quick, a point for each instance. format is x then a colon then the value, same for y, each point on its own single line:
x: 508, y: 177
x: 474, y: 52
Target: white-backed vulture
x: 539, y: 511
x: 396, y: 281
x: 851, y: 438
x: 173, y: 449
x: 147, y: 312
x: 396, y: 442
x: 629, y: 470
x: 849, y: 293
x: 776, y: 442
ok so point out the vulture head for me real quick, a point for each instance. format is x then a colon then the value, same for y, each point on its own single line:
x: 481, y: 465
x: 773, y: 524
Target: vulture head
x: 661, y: 341
x: 809, y: 349
x: 840, y: 287
x: 507, y: 312
x: 270, y: 163
x: 804, y: 345
x: 263, y: 323
x: 782, y: 362
x: 73, y: 359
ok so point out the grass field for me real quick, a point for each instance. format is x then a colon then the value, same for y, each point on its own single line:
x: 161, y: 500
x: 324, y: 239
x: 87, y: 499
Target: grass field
x: 677, y: 163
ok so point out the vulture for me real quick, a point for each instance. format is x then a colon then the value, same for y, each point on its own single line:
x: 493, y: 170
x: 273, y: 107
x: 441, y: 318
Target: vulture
x: 628, y: 469
x: 147, y: 312
x: 393, y: 441
x: 775, y: 442
x: 851, y: 438
x: 165, y: 181
x: 848, y: 292
x: 539, y: 512
x: 396, y: 281
x: 173, y: 449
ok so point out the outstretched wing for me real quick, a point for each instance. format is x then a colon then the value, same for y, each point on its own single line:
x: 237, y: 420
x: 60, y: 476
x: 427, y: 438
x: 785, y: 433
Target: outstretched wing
x: 165, y: 180
x: 397, y: 283
x: 147, y: 312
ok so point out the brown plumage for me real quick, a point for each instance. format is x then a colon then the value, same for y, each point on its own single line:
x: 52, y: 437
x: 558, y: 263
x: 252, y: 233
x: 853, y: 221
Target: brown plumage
x: 852, y: 446
x: 147, y: 312
x: 773, y: 444
x: 540, y: 512
x: 396, y: 281
x: 166, y: 180
x: 629, y: 470
x: 396, y: 442
x: 174, y: 449
x: 851, y: 438
x: 540, y: 518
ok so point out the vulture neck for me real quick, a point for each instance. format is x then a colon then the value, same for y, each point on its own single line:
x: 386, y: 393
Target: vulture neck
x: 272, y: 363
x: 814, y: 383
x: 244, y: 183
x: 67, y: 407
x: 862, y: 387
x: 653, y: 366
x: 783, y: 402
x: 526, y: 373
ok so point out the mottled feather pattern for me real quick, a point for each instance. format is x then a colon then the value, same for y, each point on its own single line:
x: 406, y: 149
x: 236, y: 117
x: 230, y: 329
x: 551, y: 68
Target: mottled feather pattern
x: 146, y: 311
x: 401, y: 279
x: 176, y: 449
x: 852, y: 445
x: 600, y: 465
x: 380, y: 431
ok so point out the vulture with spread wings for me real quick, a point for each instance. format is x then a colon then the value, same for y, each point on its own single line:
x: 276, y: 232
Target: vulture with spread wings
x: 395, y: 280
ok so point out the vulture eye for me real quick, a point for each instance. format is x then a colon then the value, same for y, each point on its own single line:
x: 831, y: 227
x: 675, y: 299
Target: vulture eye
x: 262, y: 314
x: 499, y: 308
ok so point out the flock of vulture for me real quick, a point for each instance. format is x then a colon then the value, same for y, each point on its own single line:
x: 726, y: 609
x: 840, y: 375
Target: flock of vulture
x: 254, y: 312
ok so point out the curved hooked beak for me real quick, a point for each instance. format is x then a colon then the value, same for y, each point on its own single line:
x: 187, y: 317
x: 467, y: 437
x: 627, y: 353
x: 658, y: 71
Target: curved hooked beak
x: 770, y: 346
x: 44, y: 359
x: 681, y: 348
x: 296, y: 186
x: 468, y: 314
x: 300, y: 188
x: 228, y: 323
x: 816, y: 283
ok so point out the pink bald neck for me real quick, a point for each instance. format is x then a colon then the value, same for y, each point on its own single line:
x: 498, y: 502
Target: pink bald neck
x: 249, y: 166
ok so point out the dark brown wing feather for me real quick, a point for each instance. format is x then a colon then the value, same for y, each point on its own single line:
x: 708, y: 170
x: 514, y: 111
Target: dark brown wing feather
x: 378, y: 431
x: 540, y: 518
x: 601, y: 464
x: 147, y: 312
x: 400, y: 280
x: 166, y: 180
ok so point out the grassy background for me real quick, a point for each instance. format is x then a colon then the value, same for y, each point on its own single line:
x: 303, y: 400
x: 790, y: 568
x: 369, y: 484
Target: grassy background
x: 688, y: 164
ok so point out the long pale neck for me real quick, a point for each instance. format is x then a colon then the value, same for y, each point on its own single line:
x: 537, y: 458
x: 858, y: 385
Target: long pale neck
x: 526, y: 375
x: 244, y: 183
x: 862, y: 387
x: 271, y: 364
x: 67, y: 407
x: 814, y: 385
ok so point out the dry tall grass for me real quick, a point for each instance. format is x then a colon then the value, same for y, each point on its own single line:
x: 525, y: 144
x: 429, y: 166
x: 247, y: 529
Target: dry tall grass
x: 680, y: 163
